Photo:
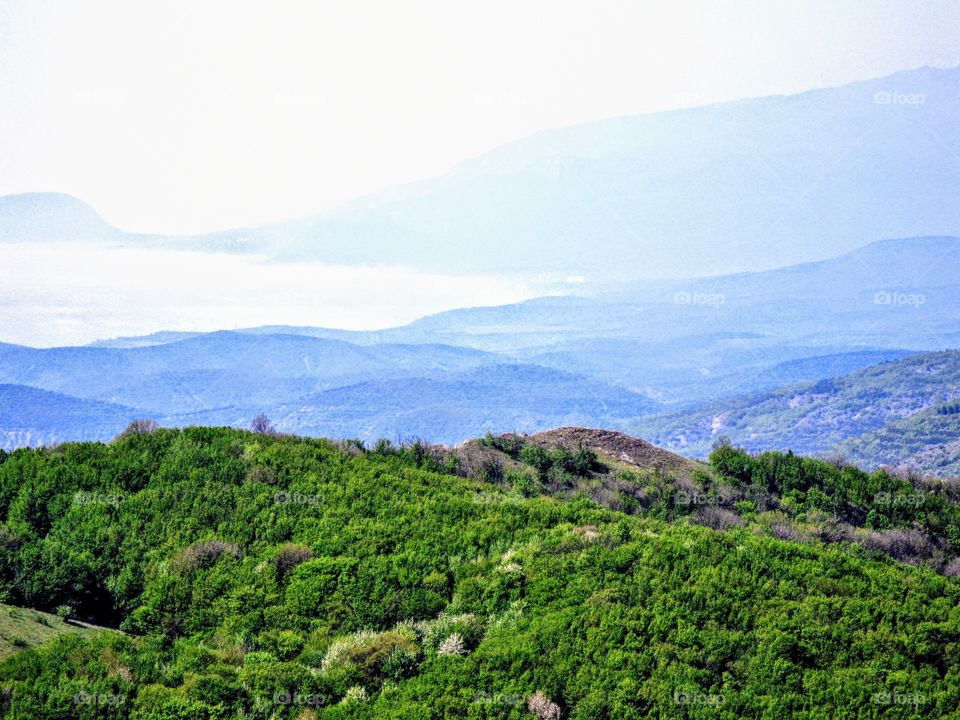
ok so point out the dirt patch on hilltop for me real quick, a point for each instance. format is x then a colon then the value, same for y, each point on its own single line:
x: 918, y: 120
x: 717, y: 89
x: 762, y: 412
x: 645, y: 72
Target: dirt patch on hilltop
x: 619, y: 446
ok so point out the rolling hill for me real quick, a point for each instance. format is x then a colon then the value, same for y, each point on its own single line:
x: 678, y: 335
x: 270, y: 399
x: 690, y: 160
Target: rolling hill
x: 686, y: 341
x: 884, y: 414
x: 29, y: 416
x: 577, y: 573
x: 444, y: 409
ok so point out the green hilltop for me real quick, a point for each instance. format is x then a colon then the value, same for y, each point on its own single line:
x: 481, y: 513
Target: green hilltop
x: 577, y: 574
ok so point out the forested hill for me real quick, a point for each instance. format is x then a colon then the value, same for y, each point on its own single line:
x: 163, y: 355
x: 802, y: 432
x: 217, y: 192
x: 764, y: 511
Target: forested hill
x: 899, y: 413
x: 573, y: 574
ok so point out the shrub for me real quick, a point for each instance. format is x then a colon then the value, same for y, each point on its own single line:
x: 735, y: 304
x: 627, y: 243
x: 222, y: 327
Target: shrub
x: 261, y: 425
x: 903, y: 544
x: 543, y: 707
x: 371, y: 653
x: 537, y: 457
x: 452, y: 645
x: 952, y: 568
x: 288, y: 557
x: 717, y: 518
x: 509, y: 443
x: 138, y: 427
x: 356, y: 694
x: 523, y: 483
x: 261, y: 474
x: 467, y: 626
x: 203, y: 554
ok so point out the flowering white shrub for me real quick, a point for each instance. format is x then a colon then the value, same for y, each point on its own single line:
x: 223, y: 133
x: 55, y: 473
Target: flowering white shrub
x: 510, y: 616
x: 339, y: 652
x: 356, y: 694
x: 541, y: 706
x: 453, y: 645
x: 467, y: 626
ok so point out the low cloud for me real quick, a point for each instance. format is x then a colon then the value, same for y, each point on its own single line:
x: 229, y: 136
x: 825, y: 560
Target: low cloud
x: 61, y: 293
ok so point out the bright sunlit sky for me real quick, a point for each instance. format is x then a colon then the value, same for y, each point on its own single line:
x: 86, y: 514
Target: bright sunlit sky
x: 188, y: 116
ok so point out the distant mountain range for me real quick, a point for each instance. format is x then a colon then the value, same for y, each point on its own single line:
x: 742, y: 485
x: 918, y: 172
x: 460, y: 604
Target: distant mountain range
x: 818, y: 180
x: 681, y: 362
x: 684, y: 341
x: 903, y: 413
x: 32, y: 417
x: 749, y: 185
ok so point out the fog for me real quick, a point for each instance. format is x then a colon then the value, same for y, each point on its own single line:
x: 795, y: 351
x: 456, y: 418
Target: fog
x: 61, y: 293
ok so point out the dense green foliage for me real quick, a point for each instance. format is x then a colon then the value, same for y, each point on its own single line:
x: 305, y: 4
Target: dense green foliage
x: 908, y: 517
x: 278, y: 577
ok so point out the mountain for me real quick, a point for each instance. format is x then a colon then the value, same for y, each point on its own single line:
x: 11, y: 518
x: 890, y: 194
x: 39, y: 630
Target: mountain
x: 686, y: 341
x: 222, y: 368
x: 608, y: 358
x: 158, y: 338
x: 307, y: 385
x: 51, y: 217
x: 447, y: 408
x: 29, y: 416
x: 747, y: 185
x: 879, y: 285
x: 890, y: 413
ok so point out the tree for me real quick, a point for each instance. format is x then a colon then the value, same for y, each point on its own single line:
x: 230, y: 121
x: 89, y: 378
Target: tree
x: 261, y: 426
x: 143, y: 426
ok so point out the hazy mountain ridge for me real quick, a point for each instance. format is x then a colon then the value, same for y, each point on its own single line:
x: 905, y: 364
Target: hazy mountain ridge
x: 883, y: 414
x: 651, y: 192
x: 30, y: 417
x: 46, y: 217
x: 823, y: 172
x: 613, y: 357
x: 753, y: 184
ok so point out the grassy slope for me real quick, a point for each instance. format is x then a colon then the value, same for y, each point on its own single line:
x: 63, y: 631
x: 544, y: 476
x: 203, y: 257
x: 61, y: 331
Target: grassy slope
x: 22, y: 628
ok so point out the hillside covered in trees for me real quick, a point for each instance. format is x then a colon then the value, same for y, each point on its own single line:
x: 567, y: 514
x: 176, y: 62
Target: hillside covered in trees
x: 901, y: 413
x: 573, y: 574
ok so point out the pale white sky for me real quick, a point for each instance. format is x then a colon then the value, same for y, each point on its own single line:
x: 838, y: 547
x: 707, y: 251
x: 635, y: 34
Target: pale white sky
x: 185, y: 116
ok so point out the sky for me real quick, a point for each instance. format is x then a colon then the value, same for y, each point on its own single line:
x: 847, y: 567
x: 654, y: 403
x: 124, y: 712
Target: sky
x: 181, y: 117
